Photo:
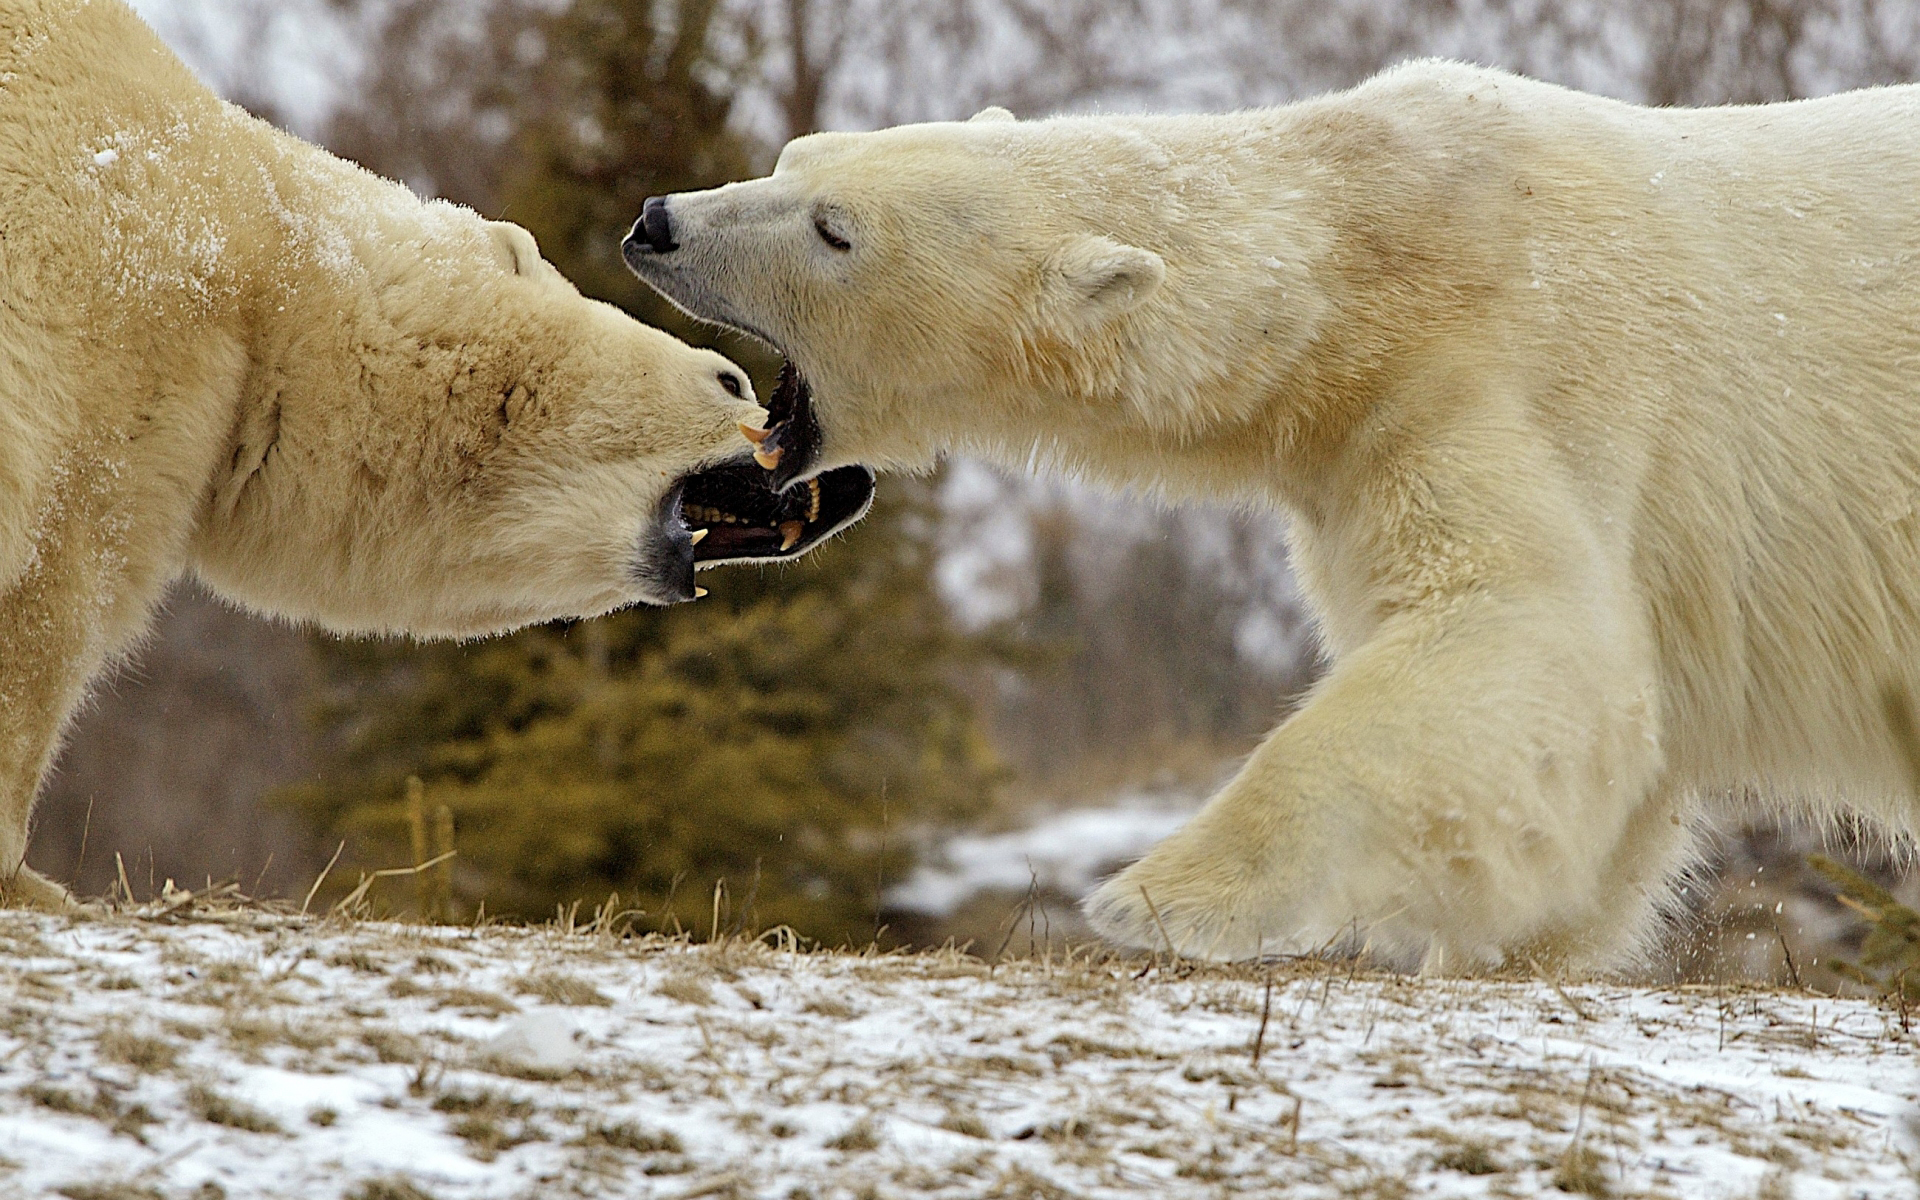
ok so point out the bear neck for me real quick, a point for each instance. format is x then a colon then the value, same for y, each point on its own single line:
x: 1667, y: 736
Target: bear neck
x: 1270, y: 346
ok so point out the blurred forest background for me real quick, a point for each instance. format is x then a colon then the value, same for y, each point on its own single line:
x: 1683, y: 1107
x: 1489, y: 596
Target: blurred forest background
x: 986, y: 651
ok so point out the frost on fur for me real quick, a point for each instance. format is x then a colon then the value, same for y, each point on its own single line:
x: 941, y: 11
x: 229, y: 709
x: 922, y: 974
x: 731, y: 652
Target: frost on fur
x: 226, y: 352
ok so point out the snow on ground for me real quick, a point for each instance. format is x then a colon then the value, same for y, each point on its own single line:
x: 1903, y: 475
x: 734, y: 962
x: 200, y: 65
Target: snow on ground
x: 1066, y: 852
x: 240, y: 1054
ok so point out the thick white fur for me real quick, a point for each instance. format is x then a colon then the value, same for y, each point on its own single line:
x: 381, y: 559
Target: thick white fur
x: 224, y: 351
x: 1599, y: 429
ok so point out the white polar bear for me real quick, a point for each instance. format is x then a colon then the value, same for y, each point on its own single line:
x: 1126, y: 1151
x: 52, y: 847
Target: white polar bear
x: 1598, y: 427
x: 224, y: 351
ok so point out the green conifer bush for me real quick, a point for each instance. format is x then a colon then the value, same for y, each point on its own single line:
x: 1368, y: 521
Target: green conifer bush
x: 784, y: 740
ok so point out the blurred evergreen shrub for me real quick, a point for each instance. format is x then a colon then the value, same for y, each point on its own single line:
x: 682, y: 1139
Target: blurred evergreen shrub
x: 782, y: 738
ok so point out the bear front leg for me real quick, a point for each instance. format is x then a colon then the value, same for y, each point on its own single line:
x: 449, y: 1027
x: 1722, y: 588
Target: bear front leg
x: 25, y: 747
x: 1453, y: 795
x: 28, y: 888
x: 44, y: 663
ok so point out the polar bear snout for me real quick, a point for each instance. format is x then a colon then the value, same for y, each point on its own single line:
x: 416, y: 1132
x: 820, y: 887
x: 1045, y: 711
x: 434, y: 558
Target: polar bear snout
x: 653, y: 232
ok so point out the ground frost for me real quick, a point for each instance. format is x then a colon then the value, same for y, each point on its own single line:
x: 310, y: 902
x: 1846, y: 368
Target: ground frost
x: 245, y: 1054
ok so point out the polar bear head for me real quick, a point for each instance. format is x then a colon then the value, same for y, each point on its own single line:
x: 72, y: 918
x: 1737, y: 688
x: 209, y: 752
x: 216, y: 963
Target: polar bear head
x: 439, y: 435
x: 1005, y: 286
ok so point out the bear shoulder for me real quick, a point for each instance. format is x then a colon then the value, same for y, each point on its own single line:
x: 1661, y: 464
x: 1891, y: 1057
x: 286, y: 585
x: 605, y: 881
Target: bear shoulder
x: 1448, y: 95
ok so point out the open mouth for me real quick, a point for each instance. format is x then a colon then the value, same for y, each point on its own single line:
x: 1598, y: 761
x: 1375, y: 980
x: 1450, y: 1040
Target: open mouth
x: 754, y: 509
x: 790, y: 444
x: 732, y: 513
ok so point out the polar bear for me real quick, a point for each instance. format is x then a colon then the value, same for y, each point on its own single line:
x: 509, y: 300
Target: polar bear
x: 1598, y: 428
x: 223, y: 351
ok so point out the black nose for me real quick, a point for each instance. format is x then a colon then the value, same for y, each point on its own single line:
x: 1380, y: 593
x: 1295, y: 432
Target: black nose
x: 655, y: 227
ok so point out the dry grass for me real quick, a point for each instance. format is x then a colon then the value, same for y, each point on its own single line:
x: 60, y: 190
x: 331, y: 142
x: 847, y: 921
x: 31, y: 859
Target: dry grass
x: 122, y: 1117
x: 895, y: 1073
x: 1579, y: 1170
x: 556, y: 987
x: 139, y: 1051
x: 830, y: 1006
x: 489, y: 1121
x: 391, y: 1045
x: 685, y: 987
x: 218, y: 1108
x: 110, y: 1191
x: 388, y: 1188
x: 1469, y: 1157
x: 859, y: 1138
x: 627, y: 1135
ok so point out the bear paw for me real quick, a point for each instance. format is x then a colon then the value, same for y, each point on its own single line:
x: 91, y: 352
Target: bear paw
x: 1194, y: 905
x: 28, y: 888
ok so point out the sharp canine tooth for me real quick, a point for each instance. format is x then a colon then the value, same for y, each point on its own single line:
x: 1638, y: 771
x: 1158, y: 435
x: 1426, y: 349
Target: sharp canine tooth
x: 699, y: 592
x: 700, y: 535
x: 756, y: 436
x: 768, y: 458
x: 790, y: 532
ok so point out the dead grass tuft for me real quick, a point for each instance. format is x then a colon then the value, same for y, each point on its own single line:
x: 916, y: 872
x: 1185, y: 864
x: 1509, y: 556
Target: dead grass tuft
x: 489, y: 1121
x: 103, y: 1106
x: 1018, y: 1183
x: 831, y: 1006
x: 557, y: 988
x: 1070, y: 1046
x: 228, y: 971
x: 1469, y: 1158
x: 625, y: 1135
x: 217, y: 1108
x: 109, y: 1191
x: 391, y: 1045
x: 859, y: 1138
x: 685, y: 988
x: 392, y: 1187
x: 251, y: 1035
x: 967, y: 1125
x: 472, y: 1002
x: 1579, y: 1171
x: 143, y: 1053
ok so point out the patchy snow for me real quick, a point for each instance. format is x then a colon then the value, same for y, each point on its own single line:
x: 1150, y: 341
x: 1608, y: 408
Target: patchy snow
x: 249, y: 1055
x: 1066, y: 852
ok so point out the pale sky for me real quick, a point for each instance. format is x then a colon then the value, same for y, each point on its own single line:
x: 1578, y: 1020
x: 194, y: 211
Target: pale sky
x: 290, y: 50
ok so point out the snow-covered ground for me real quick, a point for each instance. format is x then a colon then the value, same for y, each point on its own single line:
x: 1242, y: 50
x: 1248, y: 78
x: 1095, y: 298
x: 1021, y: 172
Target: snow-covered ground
x: 1065, y: 852
x: 242, y: 1054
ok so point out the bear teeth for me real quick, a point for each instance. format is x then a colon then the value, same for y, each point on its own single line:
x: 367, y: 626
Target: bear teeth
x: 708, y: 516
x: 790, y: 532
x: 813, y: 501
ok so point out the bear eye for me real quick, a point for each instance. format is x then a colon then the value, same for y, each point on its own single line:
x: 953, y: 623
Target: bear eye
x: 731, y: 383
x: 828, y: 236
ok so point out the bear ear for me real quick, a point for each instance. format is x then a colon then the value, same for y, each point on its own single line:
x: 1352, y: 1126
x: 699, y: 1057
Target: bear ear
x: 518, y: 252
x: 1094, y: 279
x: 991, y: 113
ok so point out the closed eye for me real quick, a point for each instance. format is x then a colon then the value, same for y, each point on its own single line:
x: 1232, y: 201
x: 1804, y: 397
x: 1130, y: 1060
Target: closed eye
x: 828, y: 236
